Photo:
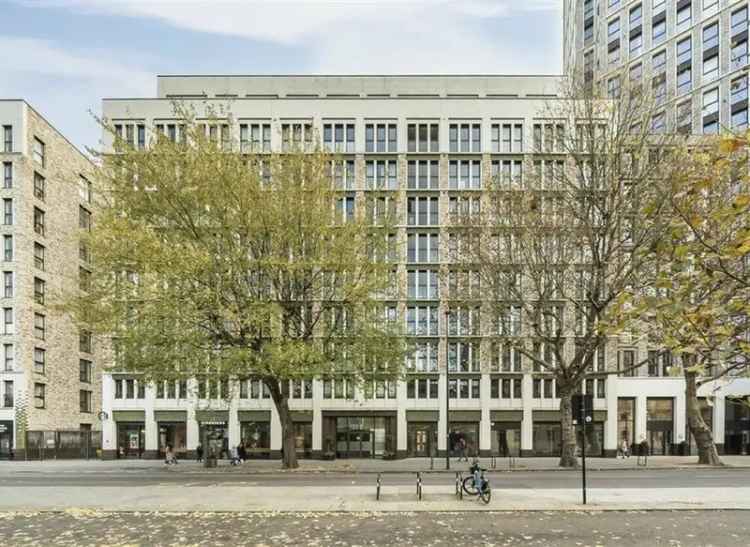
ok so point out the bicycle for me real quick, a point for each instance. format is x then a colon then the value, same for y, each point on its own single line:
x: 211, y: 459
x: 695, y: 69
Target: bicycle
x: 470, y: 483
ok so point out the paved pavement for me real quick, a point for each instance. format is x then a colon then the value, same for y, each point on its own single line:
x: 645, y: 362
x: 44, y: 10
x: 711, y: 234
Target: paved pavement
x: 627, y: 529
x: 370, y: 465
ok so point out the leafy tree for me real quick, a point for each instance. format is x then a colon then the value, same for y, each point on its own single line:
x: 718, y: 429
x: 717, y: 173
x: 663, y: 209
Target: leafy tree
x: 557, y: 249
x: 222, y: 266
x: 699, y: 283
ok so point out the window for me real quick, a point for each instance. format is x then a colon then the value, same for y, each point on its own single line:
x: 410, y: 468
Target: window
x: 422, y: 211
x: 636, y: 44
x: 709, y: 5
x: 84, y: 189
x: 296, y: 136
x: 85, y: 368
x: 684, y: 51
x: 684, y: 80
x: 38, y: 152
x: 423, y: 248
x: 422, y: 321
x: 685, y: 117
x: 463, y: 357
x: 424, y: 358
x: 39, y: 221
x: 7, y: 138
x: 118, y: 388
x: 657, y: 6
x: 39, y: 396
x: 39, y: 326
x: 39, y: 186
x: 8, y: 248
x: 465, y: 175
x: 710, y: 102
x: 636, y: 16
x: 423, y: 137
x: 635, y: 75
x: 84, y: 219
x: 8, y: 395
x: 659, y: 32
x: 710, y: 68
x: 8, y: 211
x: 507, y: 173
x: 422, y: 388
x: 84, y: 341
x: 85, y: 400
x: 39, y: 256
x: 255, y: 137
x: 380, y: 174
x: 8, y: 284
x: 739, y: 20
x: 659, y: 62
x: 739, y: 119
x: 684, y: 18
x: 465, y: 137
x: 8, y: 357
x: 549, y: 137
x: 738, y: 90
x: 613, y: 87
x: 84, y: 279
x: 711, y: 37
x: 345, y: 209
x: 613, y: 29
x: 464, y: 388
x: 423, y: 175
x: 39, y: 360
x: 739, y: 53
x: 338, y: 137
x: 381, y: 137
x: 8, y: 321
x: 627, y: 362
x: 7, y: 175
x: 507, y: 138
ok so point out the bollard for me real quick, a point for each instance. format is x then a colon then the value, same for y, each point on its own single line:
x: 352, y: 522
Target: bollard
x: 459, y: 485
x: 432, y: 462
x: 494, y: 462
x: 377, y: 494
x: 419, y: 486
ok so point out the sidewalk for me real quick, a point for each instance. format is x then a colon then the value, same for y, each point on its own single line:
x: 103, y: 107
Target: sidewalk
x: 410, y: 465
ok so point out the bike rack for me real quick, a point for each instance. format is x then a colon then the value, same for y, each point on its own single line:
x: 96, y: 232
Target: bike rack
x: 459, y: 485
x: 419, y: 486
x: 377, y: 492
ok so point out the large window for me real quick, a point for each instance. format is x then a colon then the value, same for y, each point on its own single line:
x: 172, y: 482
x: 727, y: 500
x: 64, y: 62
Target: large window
x: 464, y: 388
x: 39, y: 186
x: 422, y: 211
x: 465, y: 137
x: 39, y: 152
x: 8, y: 357
x: 8, y: 248
x: 381, y: 137
x: 8, y: 326
x: 423, y: 137
x: 85, y: 370
x: 380, y: 174
x: 422, y: 284
x: 296, y: 136
x: 255, y: 137
x: 463, y: 357
x: 424, y: 357
x: 422, y: 321
x: 423, y: 175
x: 39, y: 326
x: 625, y: 421
x: 85, y: 400
x: 7, y: 175
x: 40, y: 398
x: 39, y: 360
x: 465, y: 175
x: 423, y: 248
x: 39, y: 256
x: 7, y: 284
x: 422, y: 388
x: 7, y: 138
x: 39, y: 221
x: 507, y: 138
x: 8, y: 211
x: 342, y: 173
x: 338, y: 137
x: 684, y: 18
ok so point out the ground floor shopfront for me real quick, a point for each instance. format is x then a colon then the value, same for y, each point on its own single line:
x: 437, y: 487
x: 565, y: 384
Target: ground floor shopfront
x: 635, y: 410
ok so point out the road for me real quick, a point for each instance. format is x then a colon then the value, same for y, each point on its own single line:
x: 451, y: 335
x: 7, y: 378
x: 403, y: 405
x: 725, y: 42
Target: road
x: 664, y: 478
x: 653, y: 529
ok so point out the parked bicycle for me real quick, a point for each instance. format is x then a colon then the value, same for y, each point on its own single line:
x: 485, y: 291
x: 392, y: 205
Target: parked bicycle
x: 476, y: 484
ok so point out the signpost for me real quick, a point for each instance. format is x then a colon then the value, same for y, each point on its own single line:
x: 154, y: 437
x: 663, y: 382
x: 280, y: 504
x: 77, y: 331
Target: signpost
x: 582, y: 408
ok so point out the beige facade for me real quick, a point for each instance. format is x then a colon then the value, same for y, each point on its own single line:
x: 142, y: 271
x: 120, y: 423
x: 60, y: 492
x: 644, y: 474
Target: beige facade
x: 55, y: 379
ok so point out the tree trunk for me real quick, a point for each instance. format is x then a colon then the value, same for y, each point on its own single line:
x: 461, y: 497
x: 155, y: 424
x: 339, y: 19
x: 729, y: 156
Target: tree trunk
x: 704, y: 440
x: 568, y: 430
x: 281, y: 401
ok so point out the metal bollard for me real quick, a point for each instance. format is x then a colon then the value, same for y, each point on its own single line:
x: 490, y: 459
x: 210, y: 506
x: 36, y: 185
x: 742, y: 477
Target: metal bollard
x: 419, y: 486
x: 459, y: 485
x: 377, y: 494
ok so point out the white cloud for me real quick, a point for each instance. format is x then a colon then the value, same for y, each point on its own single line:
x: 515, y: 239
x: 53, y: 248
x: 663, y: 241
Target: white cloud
x: 365, y: 36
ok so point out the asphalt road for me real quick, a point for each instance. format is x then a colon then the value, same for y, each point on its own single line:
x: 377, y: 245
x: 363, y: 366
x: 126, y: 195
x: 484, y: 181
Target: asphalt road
x: 664, y: 478
x: 658, y: 528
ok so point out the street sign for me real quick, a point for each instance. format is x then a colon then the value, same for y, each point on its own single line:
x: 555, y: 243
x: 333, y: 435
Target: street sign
x: 582, y: 408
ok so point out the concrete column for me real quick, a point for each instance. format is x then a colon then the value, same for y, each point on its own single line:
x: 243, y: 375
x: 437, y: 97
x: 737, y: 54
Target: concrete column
x: 317, y: 424
x: 402, y: 439
x: 442, y: 440
x: 275, y: 432
x: 611, y: 435
x: 640, y: 418
x: 680, y: 419
x: 109, y: 427
x: 192, y: 430
x: 485, y: 425
x: 527, y: 424
x: 234, y: 423
x: 719, y: 418
x: 151, y: 430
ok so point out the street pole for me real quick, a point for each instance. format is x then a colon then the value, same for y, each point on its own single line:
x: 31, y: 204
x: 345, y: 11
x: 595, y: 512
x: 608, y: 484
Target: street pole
x: 582, y: 418
x: 447, y: 398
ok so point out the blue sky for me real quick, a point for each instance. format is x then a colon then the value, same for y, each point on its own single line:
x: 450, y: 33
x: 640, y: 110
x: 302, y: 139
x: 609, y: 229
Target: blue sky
x: 64, y: 56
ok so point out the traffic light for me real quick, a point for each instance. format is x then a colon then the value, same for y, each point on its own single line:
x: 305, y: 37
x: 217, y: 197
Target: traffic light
x: 582, y: 408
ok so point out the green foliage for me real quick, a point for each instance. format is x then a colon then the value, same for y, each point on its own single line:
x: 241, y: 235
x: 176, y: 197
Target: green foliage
x: 212, y: 261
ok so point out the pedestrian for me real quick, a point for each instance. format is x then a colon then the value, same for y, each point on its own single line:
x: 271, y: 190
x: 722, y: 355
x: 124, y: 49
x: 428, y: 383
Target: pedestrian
x: 234, y: 458
x: 625, y: 449
x: 171, y: 457
x: 199, y: 453
x: 242, y: 452
x: 452, y: 441
x: 462, y: 448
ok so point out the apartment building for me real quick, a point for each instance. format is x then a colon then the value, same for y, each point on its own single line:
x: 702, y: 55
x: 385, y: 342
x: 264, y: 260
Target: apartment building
x: 691, y: 54
x: 435, y: 142
x: 50, y: 384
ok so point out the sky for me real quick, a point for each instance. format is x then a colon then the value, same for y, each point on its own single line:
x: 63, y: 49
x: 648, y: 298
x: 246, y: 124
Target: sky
x: 64, y: 56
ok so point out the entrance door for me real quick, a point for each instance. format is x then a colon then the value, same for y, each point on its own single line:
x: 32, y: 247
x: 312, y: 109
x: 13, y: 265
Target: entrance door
x: 661, y: 442
x: 6, y: 439
x: 507, y: 441
x: 420, y: 439
x: 131, y: 440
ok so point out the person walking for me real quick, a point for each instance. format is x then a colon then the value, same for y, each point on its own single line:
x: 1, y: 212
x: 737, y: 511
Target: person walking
x: 199, y: 453
x: 624, y: 449
x: 462, y: 448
